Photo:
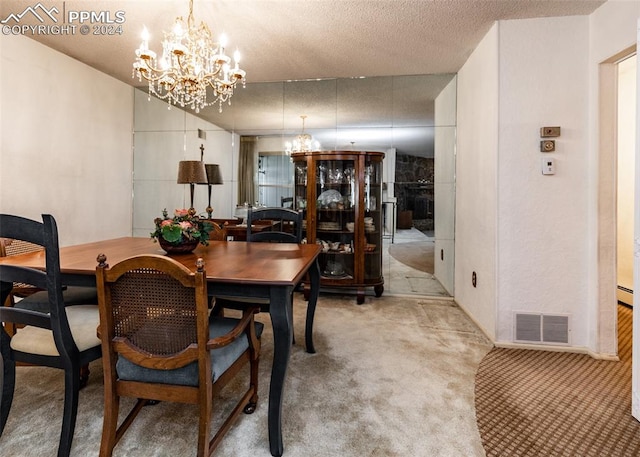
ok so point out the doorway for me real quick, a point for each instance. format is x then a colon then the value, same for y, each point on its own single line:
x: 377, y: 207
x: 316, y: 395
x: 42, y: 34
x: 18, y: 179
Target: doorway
x: 606, y: 338
x: 626, y: 121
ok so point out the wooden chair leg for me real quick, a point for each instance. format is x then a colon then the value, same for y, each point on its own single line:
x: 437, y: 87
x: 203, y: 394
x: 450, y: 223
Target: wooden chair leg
x: 293, y: 334
x: 254, y: 367
x: 253, y: 402
x: 71, y: 389
x: 110, y: 423
x: 10, y: 327
x: 8, y: 384
x: 204, y: 424
x: 84, y: 375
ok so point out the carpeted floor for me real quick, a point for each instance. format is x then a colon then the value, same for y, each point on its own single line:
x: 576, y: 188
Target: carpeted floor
x: 417, y: 254
x: 392, y: 377
x: 538, y: 403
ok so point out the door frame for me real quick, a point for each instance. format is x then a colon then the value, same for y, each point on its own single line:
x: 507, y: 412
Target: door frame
x: 607, y: 317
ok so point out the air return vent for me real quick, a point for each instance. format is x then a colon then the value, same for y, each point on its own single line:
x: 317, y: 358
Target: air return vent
x: 542, y: 328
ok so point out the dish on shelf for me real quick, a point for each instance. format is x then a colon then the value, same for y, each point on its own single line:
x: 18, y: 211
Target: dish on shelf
x: 369, y: 247
x: 342, y: 276
x: 334, y: 269
x: 350, y: 226
x: 328, y: 226
x: 328, y: 197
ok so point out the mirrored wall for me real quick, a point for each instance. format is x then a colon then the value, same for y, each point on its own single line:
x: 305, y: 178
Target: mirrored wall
x: 410, y: 118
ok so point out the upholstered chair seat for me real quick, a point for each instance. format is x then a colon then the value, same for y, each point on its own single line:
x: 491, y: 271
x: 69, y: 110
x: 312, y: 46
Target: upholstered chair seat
x: 83, y: 322
x: 221, y: 359
x: 71, y: 296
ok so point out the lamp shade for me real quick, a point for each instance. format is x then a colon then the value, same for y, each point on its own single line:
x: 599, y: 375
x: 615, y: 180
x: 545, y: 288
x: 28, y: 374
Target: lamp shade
x: 191, y: 172
x: 214, y: 176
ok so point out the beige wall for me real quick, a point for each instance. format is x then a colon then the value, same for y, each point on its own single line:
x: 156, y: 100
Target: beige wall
x: 65, y: 146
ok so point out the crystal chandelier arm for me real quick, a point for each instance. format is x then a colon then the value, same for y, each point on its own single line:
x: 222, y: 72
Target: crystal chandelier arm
x: 153, y: 71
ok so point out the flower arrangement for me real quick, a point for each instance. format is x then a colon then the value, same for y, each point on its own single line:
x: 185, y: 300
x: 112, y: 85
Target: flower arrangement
x: 181, y: 228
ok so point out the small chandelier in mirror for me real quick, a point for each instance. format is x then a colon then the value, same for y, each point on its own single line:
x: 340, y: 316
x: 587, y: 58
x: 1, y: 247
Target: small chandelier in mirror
x: 191, y: 63
x: 302, y: 143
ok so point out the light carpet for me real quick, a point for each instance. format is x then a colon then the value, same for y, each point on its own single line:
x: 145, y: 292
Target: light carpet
x: 391, y: 377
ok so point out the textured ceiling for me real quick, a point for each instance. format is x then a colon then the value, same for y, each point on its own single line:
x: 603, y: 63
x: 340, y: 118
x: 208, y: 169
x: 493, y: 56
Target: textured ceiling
x: 284, y: 40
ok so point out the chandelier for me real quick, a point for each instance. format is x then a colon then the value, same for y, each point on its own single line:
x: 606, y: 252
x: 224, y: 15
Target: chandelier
x: 191, y: 63
x: 303, y: 142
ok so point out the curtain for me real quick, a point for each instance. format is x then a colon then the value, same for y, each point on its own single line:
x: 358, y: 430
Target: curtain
x: 246, y: 170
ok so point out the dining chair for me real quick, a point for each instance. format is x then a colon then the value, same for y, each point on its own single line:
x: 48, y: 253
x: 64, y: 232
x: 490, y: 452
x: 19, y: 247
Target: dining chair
x: 26, y: 296
x: 63, y: 337
x: 286, y: 202
x: 160, y: 345
x: 218, y: 231
x: 288, y: 229
x: 9, y: 247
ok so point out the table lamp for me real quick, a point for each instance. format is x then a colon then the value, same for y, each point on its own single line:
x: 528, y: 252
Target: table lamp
x: 192, y: 172
x: 214, y: 177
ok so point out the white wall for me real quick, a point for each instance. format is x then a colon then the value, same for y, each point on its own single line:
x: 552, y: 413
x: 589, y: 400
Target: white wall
x: 542, y: 241
x: 476, y: 183
x: 444, y: 185
x: 164, y: 137
x: 547, y: 227
x: 65, y: 146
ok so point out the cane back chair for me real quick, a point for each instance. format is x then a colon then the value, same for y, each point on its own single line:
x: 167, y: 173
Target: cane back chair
x: 159, y: 344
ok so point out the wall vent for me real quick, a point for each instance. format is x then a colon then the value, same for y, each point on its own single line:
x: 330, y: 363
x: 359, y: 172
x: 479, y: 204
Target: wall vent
x: 542, y: 328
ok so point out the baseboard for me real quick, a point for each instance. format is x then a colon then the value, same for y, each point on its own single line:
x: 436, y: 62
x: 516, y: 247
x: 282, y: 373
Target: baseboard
x: 552, y: 348
x: 540, y: 347
x: 482, y: 329
x: 625, y: 295
x: 420, y: 296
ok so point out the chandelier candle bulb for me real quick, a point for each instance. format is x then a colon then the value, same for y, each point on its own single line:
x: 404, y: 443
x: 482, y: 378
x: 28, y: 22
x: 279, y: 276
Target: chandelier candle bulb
x: 145, y: 40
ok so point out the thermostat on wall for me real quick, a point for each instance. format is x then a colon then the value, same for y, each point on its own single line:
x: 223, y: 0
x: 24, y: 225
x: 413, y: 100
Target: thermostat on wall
x: 548, y: 166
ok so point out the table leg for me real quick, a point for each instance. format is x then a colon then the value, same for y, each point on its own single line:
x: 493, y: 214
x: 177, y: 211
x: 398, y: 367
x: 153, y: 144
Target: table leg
x: 281, y: 321
x: 314, y: 277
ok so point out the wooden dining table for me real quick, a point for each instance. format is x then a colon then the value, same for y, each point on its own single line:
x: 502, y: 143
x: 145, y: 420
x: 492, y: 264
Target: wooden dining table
x: 234, y: 269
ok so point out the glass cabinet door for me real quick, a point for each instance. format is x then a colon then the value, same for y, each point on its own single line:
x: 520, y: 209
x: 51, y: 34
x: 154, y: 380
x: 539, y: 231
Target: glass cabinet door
x: 373, y: 220
x: 336, y: 188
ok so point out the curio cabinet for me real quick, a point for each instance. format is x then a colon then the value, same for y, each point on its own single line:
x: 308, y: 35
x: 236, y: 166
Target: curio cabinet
x: 340, y: 193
